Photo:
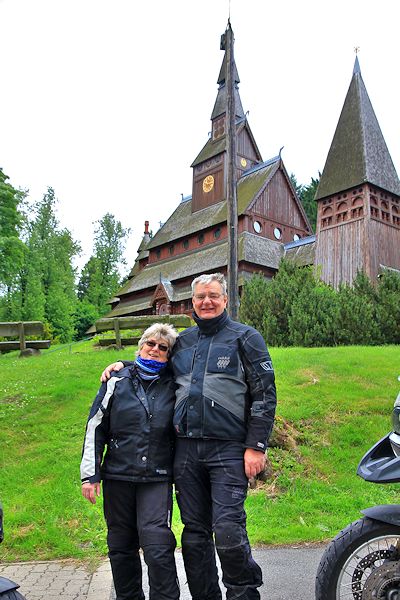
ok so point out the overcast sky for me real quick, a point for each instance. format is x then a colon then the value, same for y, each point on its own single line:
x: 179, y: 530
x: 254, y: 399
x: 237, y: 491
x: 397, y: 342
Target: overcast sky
x: 109, y: 101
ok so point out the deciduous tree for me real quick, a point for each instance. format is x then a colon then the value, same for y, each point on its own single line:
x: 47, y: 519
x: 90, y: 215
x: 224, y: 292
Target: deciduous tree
x: 100, y: 277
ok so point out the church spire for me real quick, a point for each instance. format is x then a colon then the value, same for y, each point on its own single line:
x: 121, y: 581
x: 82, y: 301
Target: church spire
x: 358, y: 153
x: 220, y: 103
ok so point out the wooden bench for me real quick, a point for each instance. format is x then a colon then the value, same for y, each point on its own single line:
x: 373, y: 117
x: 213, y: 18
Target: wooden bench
x: 22, y: 330
x: 141, y: 323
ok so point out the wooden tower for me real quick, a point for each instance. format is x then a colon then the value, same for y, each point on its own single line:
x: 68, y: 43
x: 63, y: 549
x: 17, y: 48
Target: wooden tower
x: 358, y: 224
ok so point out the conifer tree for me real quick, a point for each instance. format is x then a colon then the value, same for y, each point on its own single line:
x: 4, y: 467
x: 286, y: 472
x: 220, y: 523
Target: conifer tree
x: 100, y: 277
x: 12, y: 248
x: 49, y: 285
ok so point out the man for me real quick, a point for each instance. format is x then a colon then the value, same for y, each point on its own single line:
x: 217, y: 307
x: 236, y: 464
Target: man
x: 224, y: 413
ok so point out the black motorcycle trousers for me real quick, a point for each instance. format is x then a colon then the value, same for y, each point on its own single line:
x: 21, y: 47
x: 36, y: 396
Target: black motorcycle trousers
x: 211, y: 487
x: 138, y: 516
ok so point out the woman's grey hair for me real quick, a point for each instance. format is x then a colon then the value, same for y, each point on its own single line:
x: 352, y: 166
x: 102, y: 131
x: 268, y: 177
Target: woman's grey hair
x: 159, y: 330
x: 205, y: 279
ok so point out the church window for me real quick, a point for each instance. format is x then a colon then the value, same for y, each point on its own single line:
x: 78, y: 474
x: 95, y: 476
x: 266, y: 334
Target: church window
x: 171, y: 249
x: 185, y: 244
x: 217, y: 233
x: 277, y: 233
x: 340, y: 217
x: 296, y: 237
x: 257, y: 226
x: 357, y: 208
x: 200, y: 238
x: 374, y: 211
x: 158, y: 252
x: 357, y: 212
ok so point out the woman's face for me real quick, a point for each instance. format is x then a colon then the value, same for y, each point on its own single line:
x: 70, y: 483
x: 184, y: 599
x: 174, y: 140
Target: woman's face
x: 151, y: 350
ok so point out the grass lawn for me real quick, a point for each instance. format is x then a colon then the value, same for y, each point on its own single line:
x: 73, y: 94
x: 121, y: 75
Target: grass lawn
x: 334, y: 403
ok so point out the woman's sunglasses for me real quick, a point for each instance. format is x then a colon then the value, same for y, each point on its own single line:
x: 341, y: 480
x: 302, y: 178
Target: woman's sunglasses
x: 161, y: 347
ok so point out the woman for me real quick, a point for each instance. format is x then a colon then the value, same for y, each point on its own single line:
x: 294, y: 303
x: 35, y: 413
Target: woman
x: 132, y: 416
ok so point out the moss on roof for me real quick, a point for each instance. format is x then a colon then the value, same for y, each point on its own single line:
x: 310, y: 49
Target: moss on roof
x: 358, y: 153
x: 125, y: 308
x: 250, y: 185
x: 302, y: 255
x: 211, y: 149
x: 183, y: 222
x: 251, y: 248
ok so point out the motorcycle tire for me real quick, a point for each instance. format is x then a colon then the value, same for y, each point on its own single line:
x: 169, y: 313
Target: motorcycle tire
x: 360, y: 558
x: 12, y: 595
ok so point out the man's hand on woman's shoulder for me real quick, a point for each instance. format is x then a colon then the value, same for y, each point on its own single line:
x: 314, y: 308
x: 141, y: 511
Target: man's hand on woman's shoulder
x: 106, y: 374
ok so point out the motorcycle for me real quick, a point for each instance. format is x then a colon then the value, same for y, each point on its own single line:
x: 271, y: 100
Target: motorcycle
x: 363, y: 561
x: 8, y: 588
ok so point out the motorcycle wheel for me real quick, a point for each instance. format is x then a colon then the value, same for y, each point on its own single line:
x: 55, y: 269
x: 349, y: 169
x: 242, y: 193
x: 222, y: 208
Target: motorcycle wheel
x: 362, y: 560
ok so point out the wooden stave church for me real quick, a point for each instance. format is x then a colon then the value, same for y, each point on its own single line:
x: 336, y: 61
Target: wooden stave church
x: 272, y: 223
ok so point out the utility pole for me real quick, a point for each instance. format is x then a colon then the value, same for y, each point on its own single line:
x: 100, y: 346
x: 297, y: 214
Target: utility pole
x: 231, y: 179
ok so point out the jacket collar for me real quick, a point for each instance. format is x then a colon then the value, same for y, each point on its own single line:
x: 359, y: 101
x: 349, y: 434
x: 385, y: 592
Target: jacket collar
x: 211, y: 326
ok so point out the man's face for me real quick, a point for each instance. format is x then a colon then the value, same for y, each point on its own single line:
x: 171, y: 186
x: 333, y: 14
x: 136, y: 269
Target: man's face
x: 208, y: 300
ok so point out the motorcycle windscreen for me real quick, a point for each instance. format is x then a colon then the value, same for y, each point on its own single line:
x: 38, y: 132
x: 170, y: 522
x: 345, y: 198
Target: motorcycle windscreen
x: 380, y: 464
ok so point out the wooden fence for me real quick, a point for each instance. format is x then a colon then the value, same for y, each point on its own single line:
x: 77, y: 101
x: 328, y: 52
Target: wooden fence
x: 21, y: 330
x: 140, y: 323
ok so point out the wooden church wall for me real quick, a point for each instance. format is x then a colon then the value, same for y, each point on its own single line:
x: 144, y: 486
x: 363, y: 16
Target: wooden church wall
x: 277, y: 203
x: 341, y: 252
x: 245, y: 147
x: 384, y: 246
x: 215, y: 168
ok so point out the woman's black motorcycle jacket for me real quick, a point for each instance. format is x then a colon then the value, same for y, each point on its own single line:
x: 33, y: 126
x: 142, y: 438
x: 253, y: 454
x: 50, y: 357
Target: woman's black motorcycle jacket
x: 136, y: 427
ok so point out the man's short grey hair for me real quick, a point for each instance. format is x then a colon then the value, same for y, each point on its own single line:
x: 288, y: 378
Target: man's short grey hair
x: 157, y: 331
x: 206, y: 279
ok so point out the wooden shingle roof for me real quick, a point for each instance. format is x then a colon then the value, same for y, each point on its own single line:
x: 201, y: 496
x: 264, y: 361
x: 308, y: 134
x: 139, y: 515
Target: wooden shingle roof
x: 302, y: 252
x: 183, y: 222
x: 251, y: 248
x: 358, y: 153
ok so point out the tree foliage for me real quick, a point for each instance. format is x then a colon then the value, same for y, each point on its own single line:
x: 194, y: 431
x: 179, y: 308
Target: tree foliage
x: 49, y: 277
x: 306, y: 194
x: 296, y: 308
x: 12, y: 248
x: 100, y: 277
x: 37, y: 278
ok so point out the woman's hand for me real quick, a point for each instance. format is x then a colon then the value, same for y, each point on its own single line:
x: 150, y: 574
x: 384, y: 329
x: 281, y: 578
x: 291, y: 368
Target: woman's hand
x: 90, y: 491
x: 106, y: 374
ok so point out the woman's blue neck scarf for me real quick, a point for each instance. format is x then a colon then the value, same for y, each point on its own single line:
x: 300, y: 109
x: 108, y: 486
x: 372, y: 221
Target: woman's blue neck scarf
x: 149, y: 369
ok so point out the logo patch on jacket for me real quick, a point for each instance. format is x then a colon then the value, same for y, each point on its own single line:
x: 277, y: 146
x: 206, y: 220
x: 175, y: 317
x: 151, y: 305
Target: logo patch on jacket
x: 223, y: 362
x: 267, y: 365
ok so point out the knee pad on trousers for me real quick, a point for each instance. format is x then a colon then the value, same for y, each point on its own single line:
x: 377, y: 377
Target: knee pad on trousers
x: 238, y: 566
x: 196, y: 536
x: 161, y: 537
x: 229, y: 535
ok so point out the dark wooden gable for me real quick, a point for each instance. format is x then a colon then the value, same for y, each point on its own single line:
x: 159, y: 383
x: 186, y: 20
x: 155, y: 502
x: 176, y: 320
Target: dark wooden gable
x: 248, y: 154
x: 277, y: 208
